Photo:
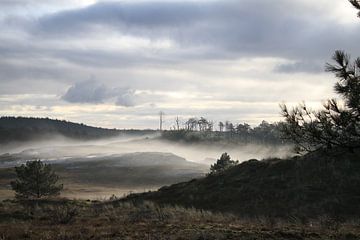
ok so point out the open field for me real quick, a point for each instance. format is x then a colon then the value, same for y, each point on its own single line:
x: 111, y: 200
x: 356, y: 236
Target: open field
x: 99, y: 179
x: 63, y: 219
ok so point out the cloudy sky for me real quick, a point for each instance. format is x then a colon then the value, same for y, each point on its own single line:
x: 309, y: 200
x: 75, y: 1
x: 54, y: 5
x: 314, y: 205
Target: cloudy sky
x: 118, y: 63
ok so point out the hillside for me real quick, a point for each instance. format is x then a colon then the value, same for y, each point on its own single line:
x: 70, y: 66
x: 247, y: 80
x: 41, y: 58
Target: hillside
x: 310, y: 186
x: 102, y: 176
x: 324, y: 188
x: 24, y: 129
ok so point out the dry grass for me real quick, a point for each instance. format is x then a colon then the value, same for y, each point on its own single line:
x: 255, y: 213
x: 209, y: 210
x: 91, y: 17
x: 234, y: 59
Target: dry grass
x: 64, y: 219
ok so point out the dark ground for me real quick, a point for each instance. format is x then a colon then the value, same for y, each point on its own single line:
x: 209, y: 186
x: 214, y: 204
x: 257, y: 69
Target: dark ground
x: 63, y: 219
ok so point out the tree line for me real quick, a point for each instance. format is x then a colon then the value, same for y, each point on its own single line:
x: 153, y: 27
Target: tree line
x: 25, y: 129
x: 201, y: 129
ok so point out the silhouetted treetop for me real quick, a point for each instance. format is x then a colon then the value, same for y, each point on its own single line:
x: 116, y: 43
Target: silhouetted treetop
x: 349, y: 85
x: 334, y: 125
x: 222, y: 164
x: 356, y: 4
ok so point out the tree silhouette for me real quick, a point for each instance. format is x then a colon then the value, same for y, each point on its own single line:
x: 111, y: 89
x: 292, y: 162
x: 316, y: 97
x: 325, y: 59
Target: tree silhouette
x: 335, y: 125
x: 221, y: 126
x: 35, y: 180
x: 356, y: 4
x: 222, y: 164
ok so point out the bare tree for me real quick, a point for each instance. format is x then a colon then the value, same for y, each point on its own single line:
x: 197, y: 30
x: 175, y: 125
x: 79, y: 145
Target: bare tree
x: 221, y: 126
x: 191, y: 124
x: 203, y: 124
x: 177, y: 121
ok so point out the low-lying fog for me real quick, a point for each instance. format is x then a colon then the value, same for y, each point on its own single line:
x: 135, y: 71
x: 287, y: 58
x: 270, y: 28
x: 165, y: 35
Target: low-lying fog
x: 99, y: 169
x: 60, y: 148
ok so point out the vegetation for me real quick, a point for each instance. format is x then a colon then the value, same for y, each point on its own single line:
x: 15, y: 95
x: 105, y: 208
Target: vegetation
x: 315, y: 196
x: 100, y: 177
x: 25, y: 129
x: 64, y: 219
x: 356, y: 4
x: 193, y: 130
x: 309, y: 197
x: 222, y: 164
x: 310, y: 186
x: 35, y: 180
x: 334, y: 126
x: 201, y: 130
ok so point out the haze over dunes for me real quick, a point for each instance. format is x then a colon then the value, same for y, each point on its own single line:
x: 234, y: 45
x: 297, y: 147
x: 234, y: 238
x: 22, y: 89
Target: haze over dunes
x: 99, y: 162
x: 169, y: 119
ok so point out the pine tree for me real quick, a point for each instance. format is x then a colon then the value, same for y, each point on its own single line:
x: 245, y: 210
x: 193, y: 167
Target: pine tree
x: 335, y: 125
x: 356, y: 4
x: 222, y: 164
x: 35, y: 180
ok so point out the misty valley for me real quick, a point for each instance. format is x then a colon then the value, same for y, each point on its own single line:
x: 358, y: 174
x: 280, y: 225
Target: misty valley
x: 180, y: 120
x: 119, y: 165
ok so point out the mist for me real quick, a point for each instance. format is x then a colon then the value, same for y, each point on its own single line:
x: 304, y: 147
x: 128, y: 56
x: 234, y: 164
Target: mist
x: 97, y: 169
x: 59, y: 148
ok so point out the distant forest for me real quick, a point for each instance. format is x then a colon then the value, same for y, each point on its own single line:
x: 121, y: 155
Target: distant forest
x: 193, y: 130
x: 24, y: 129
x: 203, y: 130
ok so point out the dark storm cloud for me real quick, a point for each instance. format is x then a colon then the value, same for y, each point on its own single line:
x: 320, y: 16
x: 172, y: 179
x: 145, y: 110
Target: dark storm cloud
x: 91, y: 91
x: 228, y: 29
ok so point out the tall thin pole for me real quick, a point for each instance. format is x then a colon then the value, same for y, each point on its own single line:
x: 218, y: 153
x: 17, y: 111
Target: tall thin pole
x: 177, y: 122
x: 161, y: 119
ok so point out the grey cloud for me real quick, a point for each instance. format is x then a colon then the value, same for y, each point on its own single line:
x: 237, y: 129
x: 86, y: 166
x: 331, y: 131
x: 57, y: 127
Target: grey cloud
x: 87, y: 92
x: 35, y: 70
x: 91, y: 91
x: 229, y: 28
x: 107, y: 59
x: 302, y: 66
x: 120, y: 15
x: 127, y: 99
x: 225, y: 29
x: 49, y: 53
x: 25, y: 2
x: 131, y: 98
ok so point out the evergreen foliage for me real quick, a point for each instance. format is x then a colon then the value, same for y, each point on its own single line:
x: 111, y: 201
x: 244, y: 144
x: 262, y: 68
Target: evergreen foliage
x: 25, y: 129
x: 304, y: 187
x: 35, y: 180
x: 222, y: 164
x: 242, y: 133
x: 335, y: 125
x: 356, y: 4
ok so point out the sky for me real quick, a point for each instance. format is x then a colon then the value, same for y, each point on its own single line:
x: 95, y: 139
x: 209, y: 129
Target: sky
x: 117, y: 64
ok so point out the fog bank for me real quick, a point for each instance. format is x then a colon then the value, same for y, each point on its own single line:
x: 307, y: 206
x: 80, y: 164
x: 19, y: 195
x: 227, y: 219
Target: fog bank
x: 60, y: 148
